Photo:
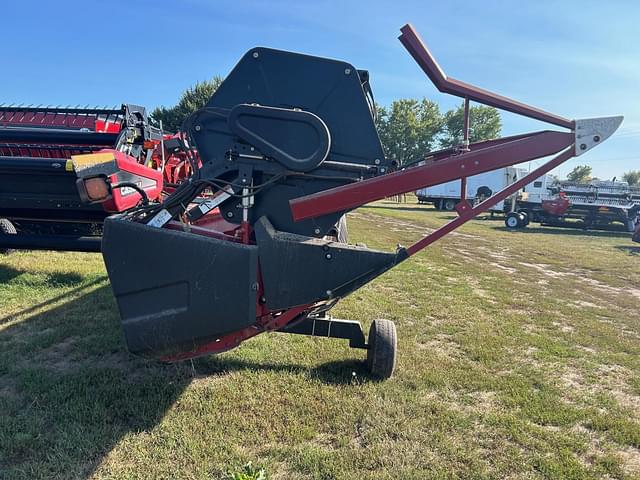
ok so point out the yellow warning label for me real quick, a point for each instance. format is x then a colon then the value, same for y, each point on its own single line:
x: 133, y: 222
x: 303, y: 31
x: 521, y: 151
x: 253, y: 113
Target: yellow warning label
x: 88, y: 160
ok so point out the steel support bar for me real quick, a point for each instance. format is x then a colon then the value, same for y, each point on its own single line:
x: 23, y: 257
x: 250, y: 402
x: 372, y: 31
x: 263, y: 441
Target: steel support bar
x: 55, y: 136
x: 28, y: 165
x: 525, y: 148
x: 421, y: 54
x: 447, y: 152
x: 331, y: 328
x: 489, y: 202
x: 50, y: 242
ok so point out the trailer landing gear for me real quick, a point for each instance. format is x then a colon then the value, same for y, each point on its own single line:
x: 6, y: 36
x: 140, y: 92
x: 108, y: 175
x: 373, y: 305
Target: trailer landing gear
x: 381, y: 348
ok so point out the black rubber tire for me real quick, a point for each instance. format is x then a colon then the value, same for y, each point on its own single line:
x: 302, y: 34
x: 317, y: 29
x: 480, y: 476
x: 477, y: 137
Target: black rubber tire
x: 383, y: 346
x: 449, y: 204
x: 525, y: 217
x: 513, y: 220
x: 6, y: 228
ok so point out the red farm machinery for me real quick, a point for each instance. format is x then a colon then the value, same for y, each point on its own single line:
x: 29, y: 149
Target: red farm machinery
x: 286, y: 147
x: 45, y: 151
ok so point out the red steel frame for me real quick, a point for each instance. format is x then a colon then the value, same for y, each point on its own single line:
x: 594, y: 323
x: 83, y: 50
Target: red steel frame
x: 451, y: 164
x: 421, y: 54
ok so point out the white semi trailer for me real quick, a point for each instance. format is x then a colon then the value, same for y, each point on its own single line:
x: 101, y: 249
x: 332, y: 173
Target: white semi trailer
x: 446, y: 195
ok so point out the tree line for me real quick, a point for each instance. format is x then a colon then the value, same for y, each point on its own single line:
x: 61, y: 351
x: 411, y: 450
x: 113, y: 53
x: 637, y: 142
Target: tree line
x: 408, y: 128
x: 583, y: 173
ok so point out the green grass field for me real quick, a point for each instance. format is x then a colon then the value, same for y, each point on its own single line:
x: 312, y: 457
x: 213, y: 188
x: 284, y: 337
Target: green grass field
x: 518, y: 358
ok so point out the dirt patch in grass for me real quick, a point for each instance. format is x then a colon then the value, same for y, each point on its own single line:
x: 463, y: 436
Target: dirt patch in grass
x: 630, y: 460
x: 59, y: 355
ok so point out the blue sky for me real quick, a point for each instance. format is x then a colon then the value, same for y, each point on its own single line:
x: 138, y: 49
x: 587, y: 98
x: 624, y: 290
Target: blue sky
x: 573, y: 58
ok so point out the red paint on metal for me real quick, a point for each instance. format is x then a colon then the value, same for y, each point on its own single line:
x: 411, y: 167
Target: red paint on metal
x: 524, y: 148
x: 463, y: 206
x: 463, y: 188
x: 421, y: 54
x: 557, y: 206
x: 122, y: 199
x: 232, y: 340
x: 490, y: 202
x: 206, y: 231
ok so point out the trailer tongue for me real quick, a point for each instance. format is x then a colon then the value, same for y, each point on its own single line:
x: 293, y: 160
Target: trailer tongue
x: 288, y: 146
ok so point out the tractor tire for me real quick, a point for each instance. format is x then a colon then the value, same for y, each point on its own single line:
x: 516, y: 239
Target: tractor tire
x: 449, y: 204
x: 514, y: 220
x: 383, y: 345
x: 6, y: 228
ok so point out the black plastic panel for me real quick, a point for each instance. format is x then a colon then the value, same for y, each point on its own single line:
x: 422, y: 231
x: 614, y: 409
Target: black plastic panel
x: 298, y: 270
x: 177, y: 290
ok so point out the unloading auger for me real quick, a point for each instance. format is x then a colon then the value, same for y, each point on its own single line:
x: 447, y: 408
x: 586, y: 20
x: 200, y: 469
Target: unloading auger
x: 288, y: 146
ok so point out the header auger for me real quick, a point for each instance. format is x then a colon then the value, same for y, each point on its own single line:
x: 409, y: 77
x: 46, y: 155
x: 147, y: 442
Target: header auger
x: 287, y: 147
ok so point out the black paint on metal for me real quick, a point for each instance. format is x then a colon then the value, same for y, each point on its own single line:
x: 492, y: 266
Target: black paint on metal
x: 330, y: 328
x: 176, y: 290
x: 309, y: 105
x: 297, y: 139
x: 50, y: 242
x: 298, y: 270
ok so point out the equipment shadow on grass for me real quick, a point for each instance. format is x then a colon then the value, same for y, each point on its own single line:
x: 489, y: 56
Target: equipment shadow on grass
x: 61, y: 279
x: 631, y: 250
x: 339, y: 372
x: 7, y: 273
x: 69, y: 390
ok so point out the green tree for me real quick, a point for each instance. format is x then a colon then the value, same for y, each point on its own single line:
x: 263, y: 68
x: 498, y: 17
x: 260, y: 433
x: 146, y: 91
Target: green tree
x: 581, y: 173
x: 408, y: 128
x: 192, y: 99
x: 484, y: 124
x: 632, y: 177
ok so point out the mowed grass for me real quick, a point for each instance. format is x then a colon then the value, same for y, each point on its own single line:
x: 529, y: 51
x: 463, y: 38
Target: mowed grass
x: 518, y: 358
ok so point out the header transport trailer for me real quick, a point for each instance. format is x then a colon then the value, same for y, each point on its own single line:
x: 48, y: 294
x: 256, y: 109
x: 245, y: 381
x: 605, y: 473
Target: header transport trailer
x: 591, y: 205
x: 288, y: 146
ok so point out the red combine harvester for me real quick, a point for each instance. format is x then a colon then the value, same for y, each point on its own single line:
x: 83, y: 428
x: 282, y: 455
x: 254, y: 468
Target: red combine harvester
x: 45, y: 152
x: 288, y: 146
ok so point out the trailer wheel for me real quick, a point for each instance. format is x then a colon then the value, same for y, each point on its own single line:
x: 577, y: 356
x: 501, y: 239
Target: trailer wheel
x: 525, y: 217
x: 6, y: 228
x: 448, y: 204
x: 514, y: 220
x: 383, y: 344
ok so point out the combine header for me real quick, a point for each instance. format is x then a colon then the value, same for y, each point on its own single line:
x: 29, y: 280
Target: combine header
x: 288, y: 146
x: 44, y: 154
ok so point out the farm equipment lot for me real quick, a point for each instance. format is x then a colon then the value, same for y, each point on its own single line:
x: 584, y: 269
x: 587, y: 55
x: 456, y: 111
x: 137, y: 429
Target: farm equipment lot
x: 518, y: 354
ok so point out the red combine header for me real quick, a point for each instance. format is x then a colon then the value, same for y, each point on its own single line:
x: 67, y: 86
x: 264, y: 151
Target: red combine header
x: 287, y: 146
